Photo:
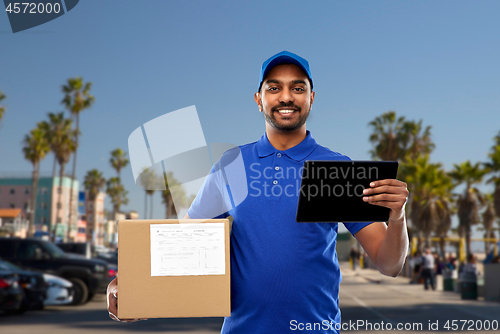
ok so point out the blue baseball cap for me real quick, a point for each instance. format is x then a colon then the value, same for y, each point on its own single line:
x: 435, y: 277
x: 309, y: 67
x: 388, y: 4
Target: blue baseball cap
x: 284, y: 57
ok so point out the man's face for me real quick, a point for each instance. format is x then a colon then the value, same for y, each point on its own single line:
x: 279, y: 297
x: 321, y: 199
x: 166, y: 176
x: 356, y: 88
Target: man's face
x: 285, y: 97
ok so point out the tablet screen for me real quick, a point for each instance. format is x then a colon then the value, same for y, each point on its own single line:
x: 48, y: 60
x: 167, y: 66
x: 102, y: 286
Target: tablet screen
x: 332, y: 191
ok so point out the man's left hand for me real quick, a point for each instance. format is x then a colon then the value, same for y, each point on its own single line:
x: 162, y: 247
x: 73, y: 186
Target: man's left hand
x: 389, y: 193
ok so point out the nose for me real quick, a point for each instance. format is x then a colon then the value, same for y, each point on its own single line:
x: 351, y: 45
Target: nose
x: 286, y: 96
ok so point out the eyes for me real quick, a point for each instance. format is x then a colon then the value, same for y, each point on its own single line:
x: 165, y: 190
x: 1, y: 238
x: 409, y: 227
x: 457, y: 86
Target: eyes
x: 296, y: 89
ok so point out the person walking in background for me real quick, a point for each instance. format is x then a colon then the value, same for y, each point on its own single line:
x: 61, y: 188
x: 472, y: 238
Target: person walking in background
x: 416, y: 262
x: 354, y: 255
x: 427, y: 269
x: 439, y: 264
x: 471, y: 266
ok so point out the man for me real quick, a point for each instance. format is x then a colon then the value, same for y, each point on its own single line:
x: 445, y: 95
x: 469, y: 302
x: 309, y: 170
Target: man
x: 428, y: 269
x: 354, y: 256
x: 284, y: 273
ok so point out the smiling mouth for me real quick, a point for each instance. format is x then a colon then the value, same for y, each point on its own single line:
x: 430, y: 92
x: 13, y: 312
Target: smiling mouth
x: 286, y: 111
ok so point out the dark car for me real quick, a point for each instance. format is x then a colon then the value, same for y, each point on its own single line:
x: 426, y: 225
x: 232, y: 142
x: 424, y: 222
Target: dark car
x: 112, y: 260
x: 80, y: 248
x: 88, y: 276
x: 11, y: 293
x: 85, y: 249
x: 32, y: 283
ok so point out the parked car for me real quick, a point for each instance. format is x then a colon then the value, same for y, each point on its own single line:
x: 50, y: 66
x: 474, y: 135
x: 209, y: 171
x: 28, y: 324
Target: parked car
x: 59, y: 290
x: 11, y: 293
x: 83, y: 248
x: 88, y: 276
x: 112, y: 260
x: 32, y: 283
x: 86, y: 250
x: 80, y: 248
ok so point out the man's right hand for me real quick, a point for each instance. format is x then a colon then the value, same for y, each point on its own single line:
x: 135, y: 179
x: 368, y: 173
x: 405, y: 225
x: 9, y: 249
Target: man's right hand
x: 112, y: 298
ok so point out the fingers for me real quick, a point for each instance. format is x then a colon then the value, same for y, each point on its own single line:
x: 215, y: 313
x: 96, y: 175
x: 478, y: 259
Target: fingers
x: 112, y: 294
x: 112, y: 300
x: 392, y: 182
x: 386, y: 186
x: 390, y: 190
x: 382, y: 198
x: 389, y: 193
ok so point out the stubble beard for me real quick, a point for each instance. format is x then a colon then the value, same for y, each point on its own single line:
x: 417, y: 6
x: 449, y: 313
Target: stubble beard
x: 271, y: 119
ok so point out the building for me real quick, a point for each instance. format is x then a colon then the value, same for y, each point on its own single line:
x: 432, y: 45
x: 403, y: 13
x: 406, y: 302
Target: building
x: 93, y: 214
x: 13, y: 223
x: 15, y: 192
x: 132, y: 215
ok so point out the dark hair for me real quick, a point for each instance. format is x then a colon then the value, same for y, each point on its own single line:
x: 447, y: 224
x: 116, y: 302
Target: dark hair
x: 262, y: 83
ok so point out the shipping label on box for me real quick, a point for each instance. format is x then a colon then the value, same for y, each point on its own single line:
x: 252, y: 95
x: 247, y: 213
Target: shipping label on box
x: 173, y: 268
x: 187, y: 249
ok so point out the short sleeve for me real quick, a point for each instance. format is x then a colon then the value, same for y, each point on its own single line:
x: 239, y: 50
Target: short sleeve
x: 355, y: 227
x: 212, y: 199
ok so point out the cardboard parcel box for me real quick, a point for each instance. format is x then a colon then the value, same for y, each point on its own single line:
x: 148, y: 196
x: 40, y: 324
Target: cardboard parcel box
x: 173, y: 268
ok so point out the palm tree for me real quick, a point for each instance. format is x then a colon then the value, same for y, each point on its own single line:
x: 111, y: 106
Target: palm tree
x: 436, y: 209
x: 65, y: 146
x: 430, y: 208
x: 118, y: 160
x: 470, y: 201
x: 2, y: 108
x: 167, y: 198
x: 488, y: 219
x: 150, y: 182
x: 414, y: 142
x: 399, y: 139
x: 493, y: 166
x: 35, y: 148
x: 58, y: 130
x: 387, y: 136
x: 54, y: 128
x: 94, y: 182
x: 76, y: 99
x: 117, y: 193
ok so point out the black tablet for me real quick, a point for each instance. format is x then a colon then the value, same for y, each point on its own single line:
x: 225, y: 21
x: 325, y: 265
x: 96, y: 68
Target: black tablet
x: 332, y: 191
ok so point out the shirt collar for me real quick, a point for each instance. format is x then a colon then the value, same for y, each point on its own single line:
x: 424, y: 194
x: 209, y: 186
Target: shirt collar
x: 298, y: 152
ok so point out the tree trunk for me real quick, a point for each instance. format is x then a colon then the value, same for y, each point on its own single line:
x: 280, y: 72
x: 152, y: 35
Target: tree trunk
x: 73, y: 176
x: 166, y: 209
x: 496, y: 200
x: 145, y: 205
x: 31, y: 227
x: 171, y: 212
x: 442, y: 246
x: 420, y: 244
x: 54, y: 167
x: 467, y: 241
x: 59, y: 204
x: 428, y: 240
x: 151, y: 207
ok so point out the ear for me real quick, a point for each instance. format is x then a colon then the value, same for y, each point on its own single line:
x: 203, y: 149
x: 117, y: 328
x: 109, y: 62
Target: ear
x: 312, y: 98
x: 257, y: 100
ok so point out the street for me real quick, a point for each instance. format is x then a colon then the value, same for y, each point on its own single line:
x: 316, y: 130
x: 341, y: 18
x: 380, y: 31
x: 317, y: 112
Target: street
x: 366, y: 297
x: 371, y: 297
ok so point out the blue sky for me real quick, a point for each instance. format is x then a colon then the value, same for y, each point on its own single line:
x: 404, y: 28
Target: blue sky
x: 430, y: 60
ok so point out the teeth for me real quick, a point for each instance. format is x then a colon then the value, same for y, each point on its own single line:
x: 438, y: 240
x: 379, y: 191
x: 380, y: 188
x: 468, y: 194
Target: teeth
x: 285, y: 111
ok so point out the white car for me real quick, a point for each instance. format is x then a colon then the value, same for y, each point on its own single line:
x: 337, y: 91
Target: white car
x: 59, y: 290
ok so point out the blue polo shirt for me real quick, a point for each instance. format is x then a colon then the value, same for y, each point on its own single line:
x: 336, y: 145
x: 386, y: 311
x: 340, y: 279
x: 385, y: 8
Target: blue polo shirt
x: 283, y: 273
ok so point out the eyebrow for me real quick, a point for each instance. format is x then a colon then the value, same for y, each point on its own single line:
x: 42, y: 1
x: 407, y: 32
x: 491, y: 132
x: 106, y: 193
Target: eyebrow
x: 293, y: 82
